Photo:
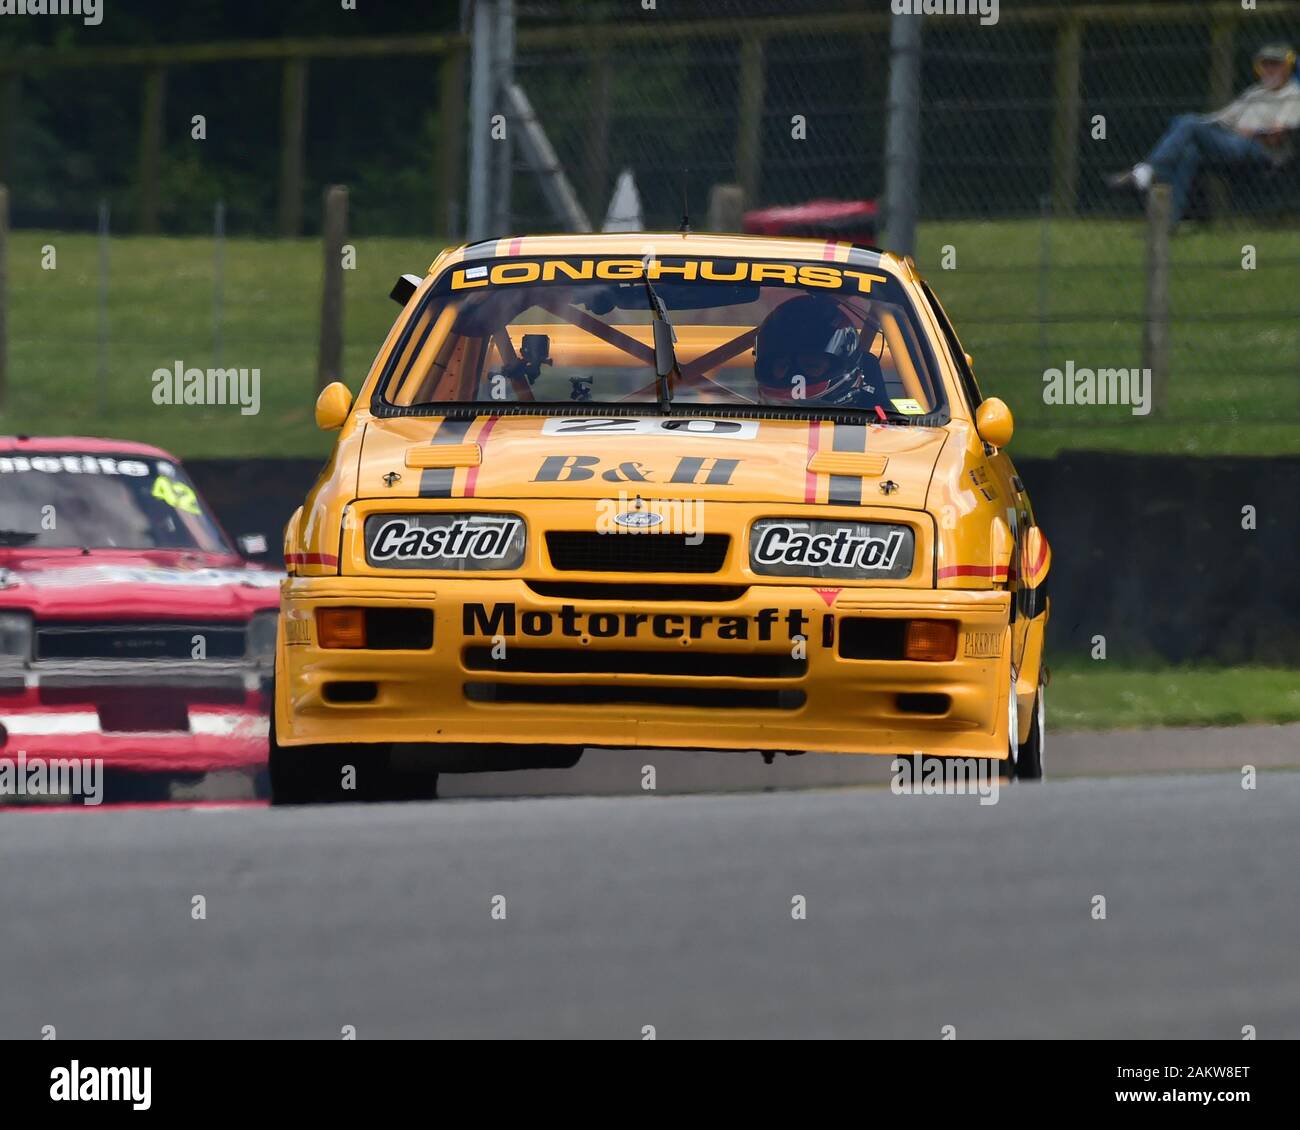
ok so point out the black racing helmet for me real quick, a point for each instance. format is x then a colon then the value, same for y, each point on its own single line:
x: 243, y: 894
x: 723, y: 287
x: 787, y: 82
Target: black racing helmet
x: 813, y: 338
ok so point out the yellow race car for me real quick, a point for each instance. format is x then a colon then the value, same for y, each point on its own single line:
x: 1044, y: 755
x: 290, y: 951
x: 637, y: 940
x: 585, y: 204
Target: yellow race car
x: 663, y: 491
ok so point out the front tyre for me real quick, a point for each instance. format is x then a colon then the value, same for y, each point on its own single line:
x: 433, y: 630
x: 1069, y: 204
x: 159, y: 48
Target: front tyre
x: 1025, y: 758
x: 341, y: 773
x: 344, y: 774
x: 1029, y: 757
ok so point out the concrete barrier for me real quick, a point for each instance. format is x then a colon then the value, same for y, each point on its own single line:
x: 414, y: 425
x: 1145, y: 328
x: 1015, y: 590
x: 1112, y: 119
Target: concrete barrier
x: 1159, y: 555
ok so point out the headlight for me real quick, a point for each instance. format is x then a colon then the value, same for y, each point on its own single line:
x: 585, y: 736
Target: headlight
x: 15, y: 635
x: 800, y: 547
x: 455, y: 542
x: 261, y: 638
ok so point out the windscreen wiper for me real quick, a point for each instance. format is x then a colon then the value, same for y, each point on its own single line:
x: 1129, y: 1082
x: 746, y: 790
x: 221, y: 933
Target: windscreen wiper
x: 665, y: 337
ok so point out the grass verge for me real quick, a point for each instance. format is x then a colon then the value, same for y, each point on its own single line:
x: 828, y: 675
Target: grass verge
x: 1024, y: 296
x: 1102, y: 697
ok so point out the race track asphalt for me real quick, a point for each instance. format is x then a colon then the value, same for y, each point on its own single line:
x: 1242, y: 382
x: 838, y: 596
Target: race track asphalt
x: 669, y: 911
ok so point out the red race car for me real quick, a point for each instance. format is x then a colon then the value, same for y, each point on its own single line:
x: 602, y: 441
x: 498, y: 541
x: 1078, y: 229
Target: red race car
x: 131, y: 629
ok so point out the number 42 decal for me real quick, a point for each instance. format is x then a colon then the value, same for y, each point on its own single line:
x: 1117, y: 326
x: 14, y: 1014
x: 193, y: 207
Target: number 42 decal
x: 179, y: 496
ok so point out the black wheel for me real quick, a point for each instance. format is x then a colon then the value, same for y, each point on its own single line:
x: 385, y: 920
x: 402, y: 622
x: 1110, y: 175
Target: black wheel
x: 407, y: 784
x: 126, y: 786
x: 1029, y: 757
x: 1025, y: 760
x: 343, y: 773
x: 482, y: 757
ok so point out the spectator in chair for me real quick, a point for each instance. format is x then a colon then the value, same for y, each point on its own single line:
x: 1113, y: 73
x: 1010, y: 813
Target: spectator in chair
x: 1255, y: 131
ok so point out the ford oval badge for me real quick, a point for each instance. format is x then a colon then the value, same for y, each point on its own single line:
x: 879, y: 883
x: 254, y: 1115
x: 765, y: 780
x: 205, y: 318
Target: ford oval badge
x: 638, y: 519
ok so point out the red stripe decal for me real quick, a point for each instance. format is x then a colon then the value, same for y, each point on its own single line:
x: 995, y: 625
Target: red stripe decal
x: 828, y: 252
x: 310, y: 559
x: 810, y: 480
x: 515, y: 244
x: 471, y: 476
x: 1042, y: 556
x: 997, y: 572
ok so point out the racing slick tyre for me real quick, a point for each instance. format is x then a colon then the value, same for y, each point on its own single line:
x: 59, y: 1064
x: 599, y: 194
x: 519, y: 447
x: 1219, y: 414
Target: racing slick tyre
x: 315, y: 774
x: 319, y: 774
x: 1029, y: 758
x: 1025, y: 760
x: 483, y: 757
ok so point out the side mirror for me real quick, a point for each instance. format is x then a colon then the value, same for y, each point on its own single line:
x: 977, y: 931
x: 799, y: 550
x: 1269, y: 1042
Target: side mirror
x: 253, y: 545
x: 332, y: 406
x: 403, y: 288
x: 994, y: 423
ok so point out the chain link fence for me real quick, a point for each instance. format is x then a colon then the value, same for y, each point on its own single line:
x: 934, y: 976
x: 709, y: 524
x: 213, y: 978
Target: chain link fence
x: 1021, y: 120
x: 1039, y: 263
x: 789, y: 100
x: 785, y: 100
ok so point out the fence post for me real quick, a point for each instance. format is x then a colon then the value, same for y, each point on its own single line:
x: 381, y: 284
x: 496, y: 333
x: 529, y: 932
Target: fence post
x: 480, y: 122
x: 4, y: 297
x: 726, y: 208
x: 1044, y: 279
x: 749, y: 120
x: 601, y: 79
x: 503, y: 77
x: 902, y: 137
x: 151, y: 131
x: 101, y: 352
x: 1065, y: 117
x: 1155, y: 325
x: 293, y: 113
x: 1223, y: 35
x: 451, y: 130
x: 218, y: 280
x: 334, y: 229
x: 8, y: 120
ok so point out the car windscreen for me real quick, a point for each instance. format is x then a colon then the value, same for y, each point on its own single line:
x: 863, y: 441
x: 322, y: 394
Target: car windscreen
x: 747, y: 335
x: 73, y: 499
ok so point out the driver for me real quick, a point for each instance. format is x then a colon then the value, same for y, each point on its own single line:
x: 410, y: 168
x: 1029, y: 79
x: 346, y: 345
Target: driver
x: 808, y: 350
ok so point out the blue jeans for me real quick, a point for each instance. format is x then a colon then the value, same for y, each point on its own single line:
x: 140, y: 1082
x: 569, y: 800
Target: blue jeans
x: 1190, y: 141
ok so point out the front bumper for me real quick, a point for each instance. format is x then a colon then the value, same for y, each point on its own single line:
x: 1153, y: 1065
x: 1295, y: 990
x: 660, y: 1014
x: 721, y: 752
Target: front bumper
x: 138, y: 715
x: 624, y: 689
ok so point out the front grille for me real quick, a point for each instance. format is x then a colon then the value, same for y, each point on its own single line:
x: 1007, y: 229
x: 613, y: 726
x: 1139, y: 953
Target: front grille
x: 126, y: 641
x: 130, y: 698
x: 708, y: 698
x: 586, y: 661
x: 581, y: 551
x: 153, y: 714
x: 678, y: 593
